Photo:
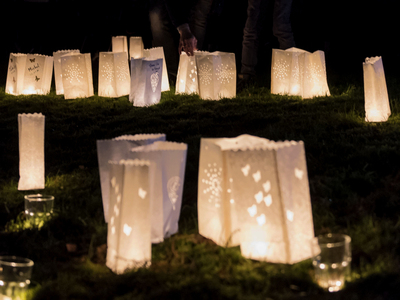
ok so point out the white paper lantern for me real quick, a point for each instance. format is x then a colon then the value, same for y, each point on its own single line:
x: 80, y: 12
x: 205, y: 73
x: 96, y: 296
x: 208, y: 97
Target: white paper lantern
x: 170, y: 161
x: 129, y: 229
x: 297, y: 72
x: 217, y: 75
x: 254, y: 193
x: 187, y: 79
x: 377, y: 108
x: 29, y: 74
x: 31, y: 151
x: 158, y: 53
x: 145, y: 81
x: 114, y: 77
x: 117, y: 149
x: 119, y: 44
x: 77, y: 78
x: 57, y: 69
x: 136, y: 47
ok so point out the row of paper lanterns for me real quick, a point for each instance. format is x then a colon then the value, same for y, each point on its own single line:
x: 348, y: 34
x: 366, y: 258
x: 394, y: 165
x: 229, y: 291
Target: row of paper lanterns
x: 211, y: 75
x: 252, y: 193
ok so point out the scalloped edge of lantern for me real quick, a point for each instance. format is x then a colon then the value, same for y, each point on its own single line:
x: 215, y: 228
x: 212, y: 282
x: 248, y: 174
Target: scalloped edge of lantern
x: 161, y: 146
x: 138, y: 137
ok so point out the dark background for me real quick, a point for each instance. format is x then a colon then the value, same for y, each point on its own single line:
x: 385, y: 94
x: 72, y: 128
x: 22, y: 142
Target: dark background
x: 348, y: 31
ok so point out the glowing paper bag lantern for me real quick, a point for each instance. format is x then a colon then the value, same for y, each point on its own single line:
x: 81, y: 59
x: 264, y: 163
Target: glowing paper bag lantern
x: 129, y: 229
x: 31, y: 151
x: 170, y: 161
x: 29, y: 74
x: 76, y: 70
x: 114, y: 77
x: 136, y: 47
x: 158, y: 53
x: 254, y: 192
x: 57, y: 69
x: 297, y: 72
x: 145, y: 81
x: 119, y: 44
x: 117, y: 149
x: 187, y: 79
x: 377, y: 108
x: 217, y: 75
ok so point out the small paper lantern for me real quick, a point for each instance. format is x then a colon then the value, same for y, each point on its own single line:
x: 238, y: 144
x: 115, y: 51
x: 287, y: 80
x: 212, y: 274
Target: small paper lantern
x: 254, y: 193
x: 167, y: 184
x: 157, y: 53
x: 187, y: 79
x: 377, y: 108
x: 31, y: 151
x: 297, y: 72
x: 77, y: 78
x: 114, y: 77
x: 136, y: 47
x: 145, y: 81
x: 29, y: 74
x: 119, y: 44
x: 117, y: 149
x: 57, y: 69
x: 129, y: 229
x: 217, y: 75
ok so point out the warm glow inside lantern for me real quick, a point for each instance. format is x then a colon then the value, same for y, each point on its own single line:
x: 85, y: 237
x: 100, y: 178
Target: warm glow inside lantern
x: 254, y: 193
x: 77, y: 78
x: 136, y: 47
x: 129, y: 229
x: 216, y: 75
x: 158, y: 53
x: 297, y: 72
x: 187, y: 79
x: 167, y: 184
x: 146, y: 78
x: 31, y: 151
x: 29, y: 74
x: 114, y: 77
x: 117, y: 149
x: 119, y: 44
x: 57, y: 69
x: 377, y: 108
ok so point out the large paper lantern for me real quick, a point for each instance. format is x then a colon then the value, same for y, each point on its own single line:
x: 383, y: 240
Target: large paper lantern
x: 146, y: 76
x: 187, y: 79
x: 297, y: 72
x: 377, y: 108
x: 119, y: 44
x: 29, y: 74
x: 117, y: 149
x: 216, y: 75
x: 57, y: 69
x: 167, y: 185
x: 77, y: 78
x: 114, y: 77
x: 31, y: 151
x: 254, y: 193
x: 136, y: 47
x: 129, y: 229
x: 158, y: 53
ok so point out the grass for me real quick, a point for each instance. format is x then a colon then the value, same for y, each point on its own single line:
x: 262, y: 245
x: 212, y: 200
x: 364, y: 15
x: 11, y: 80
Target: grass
x: 354, y: 184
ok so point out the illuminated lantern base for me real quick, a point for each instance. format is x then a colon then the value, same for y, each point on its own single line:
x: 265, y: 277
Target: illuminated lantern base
x: 57, y: 69
x: 377, y: 108
x: 136, y: 47
x: 114, y: 77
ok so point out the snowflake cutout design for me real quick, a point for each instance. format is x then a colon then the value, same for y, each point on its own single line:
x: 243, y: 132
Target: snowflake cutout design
x: 281, y: 68
x: 315, y: 73
x: 205, y: 74
x: 107, y: 72
x: 213, y: 182
x: 224, y: 73
x: 122, y: 71
x: 73, y: 73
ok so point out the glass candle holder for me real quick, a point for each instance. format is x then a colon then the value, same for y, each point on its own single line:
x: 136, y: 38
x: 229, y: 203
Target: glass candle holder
x: 331, y: 260
x: 38, y: 207
x: 15, y: 275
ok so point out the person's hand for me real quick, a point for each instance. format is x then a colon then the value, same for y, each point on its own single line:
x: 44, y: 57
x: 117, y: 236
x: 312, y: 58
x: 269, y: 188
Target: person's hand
x: 187, y: 41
